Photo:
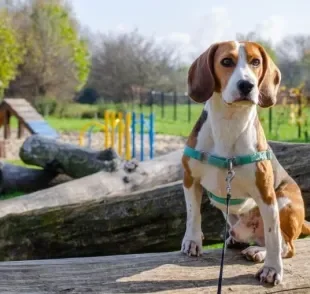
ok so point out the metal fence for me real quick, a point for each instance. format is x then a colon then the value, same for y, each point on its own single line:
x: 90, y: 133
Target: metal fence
x: 175, y: 106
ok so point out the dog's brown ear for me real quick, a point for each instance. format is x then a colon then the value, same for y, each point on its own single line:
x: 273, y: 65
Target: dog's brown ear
x: 270, y: 81
x: 201, y: 80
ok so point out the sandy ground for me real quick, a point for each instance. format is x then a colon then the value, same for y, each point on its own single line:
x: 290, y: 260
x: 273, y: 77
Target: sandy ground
x: 163, y: 143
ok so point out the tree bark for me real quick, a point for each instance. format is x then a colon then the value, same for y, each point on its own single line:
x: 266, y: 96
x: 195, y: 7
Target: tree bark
x: 15, y: 178
x: 69, y: 159
x: 99, y: 214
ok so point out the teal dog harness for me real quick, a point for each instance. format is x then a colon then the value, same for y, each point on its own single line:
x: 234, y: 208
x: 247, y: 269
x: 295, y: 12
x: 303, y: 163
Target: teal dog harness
x: 226, y: 163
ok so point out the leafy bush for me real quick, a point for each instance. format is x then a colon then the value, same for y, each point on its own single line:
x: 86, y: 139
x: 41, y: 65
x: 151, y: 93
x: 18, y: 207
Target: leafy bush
x: 45, y: 106
x: 75, y: 110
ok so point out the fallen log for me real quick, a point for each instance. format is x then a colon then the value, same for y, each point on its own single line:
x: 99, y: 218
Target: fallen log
x: 69, y: 159
x: 15, y: 178
x: 99, y: 214
x: 171, y: 273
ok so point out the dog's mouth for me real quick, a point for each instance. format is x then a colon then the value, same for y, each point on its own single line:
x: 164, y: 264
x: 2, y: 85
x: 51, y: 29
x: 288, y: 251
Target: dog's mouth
x: 240, y: 101
x: 243, y: 100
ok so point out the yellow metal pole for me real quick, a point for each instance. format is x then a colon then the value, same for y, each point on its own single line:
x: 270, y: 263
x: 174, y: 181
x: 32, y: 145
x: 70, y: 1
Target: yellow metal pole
x: 106, y: 131
x: 87, y: 126
x: 127, y: 136
x: 81, y: 139
x: 113, y: 124
x: 120, y: 133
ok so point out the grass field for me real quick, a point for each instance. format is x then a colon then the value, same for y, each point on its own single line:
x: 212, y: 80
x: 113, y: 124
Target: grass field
x: 282, y: 128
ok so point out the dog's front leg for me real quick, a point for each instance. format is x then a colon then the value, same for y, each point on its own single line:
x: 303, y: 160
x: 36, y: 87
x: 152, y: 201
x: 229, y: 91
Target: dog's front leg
x: 192, y: 241
x: 272, y: 271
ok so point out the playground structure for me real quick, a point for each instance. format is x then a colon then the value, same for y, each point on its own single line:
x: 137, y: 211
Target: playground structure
x: 122, y: 130
x: 27, y: 119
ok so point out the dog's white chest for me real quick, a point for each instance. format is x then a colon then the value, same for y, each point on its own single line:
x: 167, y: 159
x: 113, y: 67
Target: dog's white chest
x: 213, y: 179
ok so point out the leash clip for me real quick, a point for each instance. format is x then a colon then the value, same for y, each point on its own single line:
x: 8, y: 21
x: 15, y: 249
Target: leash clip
x: 204, y: 156
x: 230, y: 175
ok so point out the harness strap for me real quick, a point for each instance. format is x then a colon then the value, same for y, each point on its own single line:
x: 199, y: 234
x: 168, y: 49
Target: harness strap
x: 221, y: 200
x: 223, y: 162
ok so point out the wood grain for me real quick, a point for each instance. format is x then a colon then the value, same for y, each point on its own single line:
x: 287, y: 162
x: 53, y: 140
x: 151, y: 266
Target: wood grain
x: 152, y: 273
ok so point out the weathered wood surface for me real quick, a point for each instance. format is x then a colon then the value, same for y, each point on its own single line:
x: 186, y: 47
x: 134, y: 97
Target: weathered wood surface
x: 99, y: 214
x: 23, y: 179
x: 69, y: 159
x: 152, y: 273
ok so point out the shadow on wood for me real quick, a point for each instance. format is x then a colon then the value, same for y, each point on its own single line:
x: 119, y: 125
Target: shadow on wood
x: 152, y: 273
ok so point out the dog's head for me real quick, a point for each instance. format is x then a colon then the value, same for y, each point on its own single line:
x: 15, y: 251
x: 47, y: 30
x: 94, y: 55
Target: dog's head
x: 242, y: 72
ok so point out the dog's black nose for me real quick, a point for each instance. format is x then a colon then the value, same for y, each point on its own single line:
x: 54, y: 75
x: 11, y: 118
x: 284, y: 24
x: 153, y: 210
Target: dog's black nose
x: 245, y: 87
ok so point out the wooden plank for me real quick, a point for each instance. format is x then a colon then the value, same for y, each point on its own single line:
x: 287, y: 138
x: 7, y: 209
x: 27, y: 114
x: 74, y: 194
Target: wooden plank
x: 42, y: 128
x: 24, y: 111
x: 24, y: 108
x: 2, y: 149
x: 152, y: 273
x: 7, y: 129
x: 21, y: 129
x: 1, y: 118
x: 16, y: 101
x: 31, y: 114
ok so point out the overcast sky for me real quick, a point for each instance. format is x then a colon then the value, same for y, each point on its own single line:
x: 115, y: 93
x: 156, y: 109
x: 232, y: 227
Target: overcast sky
x: 195, y: 24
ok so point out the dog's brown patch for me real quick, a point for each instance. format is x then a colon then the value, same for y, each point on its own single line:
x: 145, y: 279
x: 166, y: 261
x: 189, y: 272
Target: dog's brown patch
x: 222, y: 74
x: 188, y: 180
x: 264, y: 171
x: 293, y: 214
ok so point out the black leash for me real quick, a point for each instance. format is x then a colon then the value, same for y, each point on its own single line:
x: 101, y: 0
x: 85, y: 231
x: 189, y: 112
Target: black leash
x: 230, y: 176
x: 219, y: 285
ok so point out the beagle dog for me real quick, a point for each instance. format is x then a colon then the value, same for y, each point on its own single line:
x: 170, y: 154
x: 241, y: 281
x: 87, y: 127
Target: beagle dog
x: 267, y: 208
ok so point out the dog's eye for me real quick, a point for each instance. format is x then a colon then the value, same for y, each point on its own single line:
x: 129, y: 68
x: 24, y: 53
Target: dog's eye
x: 255, y: 62
x: 227, y: 62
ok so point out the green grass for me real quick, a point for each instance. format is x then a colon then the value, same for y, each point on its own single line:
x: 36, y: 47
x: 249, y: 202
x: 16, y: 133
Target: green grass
x: 16, y: 193
x: 282, y: 130
x: 213, y: 246
x: 21, y: 163
x: 68, y: 124
x: 11, y: 195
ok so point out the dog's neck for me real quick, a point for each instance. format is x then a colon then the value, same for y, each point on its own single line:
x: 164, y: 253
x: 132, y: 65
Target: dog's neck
x: 233, y: 128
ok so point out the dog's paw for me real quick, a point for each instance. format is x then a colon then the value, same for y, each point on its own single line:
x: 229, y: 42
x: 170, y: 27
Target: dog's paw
x: 192, y: 246
x: 254, y: 253
x: 269, y: 275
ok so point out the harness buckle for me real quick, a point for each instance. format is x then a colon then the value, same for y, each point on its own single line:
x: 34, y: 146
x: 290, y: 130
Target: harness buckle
x: 232, y: 161
x: 204, y: 156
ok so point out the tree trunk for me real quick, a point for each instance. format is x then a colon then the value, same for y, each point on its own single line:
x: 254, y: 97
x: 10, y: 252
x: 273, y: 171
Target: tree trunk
x: 99, y: 214
x: 14, y: 178
x: 69, y: 159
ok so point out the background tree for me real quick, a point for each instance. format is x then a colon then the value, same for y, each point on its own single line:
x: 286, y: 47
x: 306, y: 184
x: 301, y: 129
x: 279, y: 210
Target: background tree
x: 255, y: 37
x: 293, y: 53
x: 57, y: 61
x: 11, y: 51
x: 122, y: 61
